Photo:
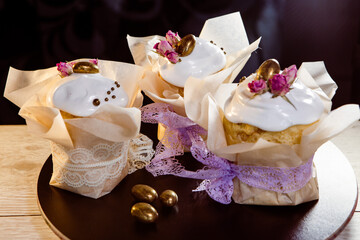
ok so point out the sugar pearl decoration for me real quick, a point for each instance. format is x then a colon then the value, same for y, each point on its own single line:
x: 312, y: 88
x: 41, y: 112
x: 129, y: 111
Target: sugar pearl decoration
x: 96, y: 102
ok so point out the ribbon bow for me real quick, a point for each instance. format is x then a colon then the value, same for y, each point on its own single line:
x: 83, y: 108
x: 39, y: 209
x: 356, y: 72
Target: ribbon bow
x: 218, y: 173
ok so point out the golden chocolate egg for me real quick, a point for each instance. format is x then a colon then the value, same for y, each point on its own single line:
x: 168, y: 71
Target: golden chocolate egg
x: 144, y: 212
x: 144, y: 193
x: 169, y: 198
x: 267, y: 69
x: 85, y: 67
x: 186, y: 45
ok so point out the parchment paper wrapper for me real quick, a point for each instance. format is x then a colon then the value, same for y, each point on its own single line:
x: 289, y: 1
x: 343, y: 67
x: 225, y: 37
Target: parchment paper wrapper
x: 90, y: 154
x: 206, y: 109
x: 226, y: 31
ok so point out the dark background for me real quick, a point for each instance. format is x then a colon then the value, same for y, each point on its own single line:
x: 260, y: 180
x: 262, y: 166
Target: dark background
x: 37, y: 34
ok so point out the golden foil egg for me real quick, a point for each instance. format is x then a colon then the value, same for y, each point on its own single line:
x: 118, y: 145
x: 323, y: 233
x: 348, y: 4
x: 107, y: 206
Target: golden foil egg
x: 144, y: 212
x: 85, y: 67
x: 186, y: 45
x: 169, y: 198
x: 267, y: 69
x: 144, y: 193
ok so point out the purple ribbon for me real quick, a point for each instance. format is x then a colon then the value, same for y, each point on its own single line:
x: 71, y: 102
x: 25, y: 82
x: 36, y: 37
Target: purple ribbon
x: 218, y: 173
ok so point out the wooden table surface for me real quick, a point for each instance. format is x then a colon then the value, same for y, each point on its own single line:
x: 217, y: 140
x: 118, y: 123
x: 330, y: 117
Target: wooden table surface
x: 22, y: 156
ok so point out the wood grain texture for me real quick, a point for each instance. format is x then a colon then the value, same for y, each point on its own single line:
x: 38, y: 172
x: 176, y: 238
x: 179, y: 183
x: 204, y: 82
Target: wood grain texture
x: 22, y: 156
x: 352, y: 230
x: 25, y: 227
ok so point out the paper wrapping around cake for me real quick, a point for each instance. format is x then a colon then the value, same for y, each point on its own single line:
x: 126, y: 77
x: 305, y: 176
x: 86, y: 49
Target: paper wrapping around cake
x: 90, y: 171
x: 206, y: 109
x: 228, y: 31
x: 95, y: 168
x: 99, y: 142
x: 29, y: 90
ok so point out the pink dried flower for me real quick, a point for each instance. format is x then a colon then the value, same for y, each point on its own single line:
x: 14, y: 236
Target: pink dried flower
x: 94, y: 61
x: 172, y: 38
x: 290, y: 73
x: 167, y: 48
x: 257, y: 86
x: 172, y: 56
x: 64, y: 68
x: 162, y: 47
x: 156, y: 46
x: 278, y: 84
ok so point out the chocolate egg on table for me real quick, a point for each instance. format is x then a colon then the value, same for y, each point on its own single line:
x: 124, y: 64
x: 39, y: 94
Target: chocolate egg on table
x: 144, y: 212
x: 268, y: 69
x: 85, y: 67
x: 169, y: 198
x: 144, y: 193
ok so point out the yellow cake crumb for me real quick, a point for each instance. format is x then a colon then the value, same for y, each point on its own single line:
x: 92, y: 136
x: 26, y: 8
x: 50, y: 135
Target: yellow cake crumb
x: 241, y: 132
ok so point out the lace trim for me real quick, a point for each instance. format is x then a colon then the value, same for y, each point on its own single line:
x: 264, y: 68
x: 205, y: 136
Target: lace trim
x: 92, y: 167
x: 140, y: 152
x: 218, y: 173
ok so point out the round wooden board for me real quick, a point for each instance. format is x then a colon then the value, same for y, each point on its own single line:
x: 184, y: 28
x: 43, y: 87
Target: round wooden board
x: 197, y: 216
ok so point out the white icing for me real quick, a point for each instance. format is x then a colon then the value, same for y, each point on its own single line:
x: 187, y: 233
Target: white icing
x: 273, y: 114
x: 75, y: 94
x: 205, y: 59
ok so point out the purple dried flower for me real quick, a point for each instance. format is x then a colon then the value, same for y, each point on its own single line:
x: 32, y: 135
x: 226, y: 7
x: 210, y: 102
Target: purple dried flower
x: 279, y: 85
x: 172, y: 38
x: 162, y: 47
x: 94, y: 61
x: 290, y: 73
x: 156, y: 46
x: 64, y: 68
x: 172, y: 56
x: 257, y: 86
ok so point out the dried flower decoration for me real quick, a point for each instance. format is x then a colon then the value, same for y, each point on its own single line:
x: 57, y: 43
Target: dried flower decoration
x: 67, y: 68
x: 278, y: 84
x: 172, y: 38
x: 258, y: 86
x: 166, y: 48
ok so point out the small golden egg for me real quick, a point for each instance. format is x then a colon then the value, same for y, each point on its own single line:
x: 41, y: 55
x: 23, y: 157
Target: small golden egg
x: 85, y: 67
x: 144, y: 193
x: 144, y: 212
x: 268, y: 69
x: 169, y: 198
x: 186, y: 45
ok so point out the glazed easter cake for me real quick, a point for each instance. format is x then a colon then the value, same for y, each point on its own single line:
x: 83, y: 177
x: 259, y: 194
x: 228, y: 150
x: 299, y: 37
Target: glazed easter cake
x: 276, y: 108
x: 264, y: 131
x: 186, y: 57
x: 89, y: 109
x: 172, y: 60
